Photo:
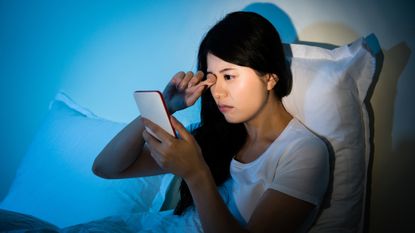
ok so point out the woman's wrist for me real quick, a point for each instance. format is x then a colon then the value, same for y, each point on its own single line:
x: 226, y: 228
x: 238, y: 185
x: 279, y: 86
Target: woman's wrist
x: 170, y: 110
x: 200, y: 177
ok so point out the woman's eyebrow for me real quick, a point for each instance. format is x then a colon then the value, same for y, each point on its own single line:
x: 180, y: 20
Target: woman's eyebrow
x: 221, y: 71
x: 226, y: 69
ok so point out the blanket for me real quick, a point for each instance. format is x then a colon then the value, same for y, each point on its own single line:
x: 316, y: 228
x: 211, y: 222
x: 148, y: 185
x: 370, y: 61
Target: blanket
x: 146, y: 222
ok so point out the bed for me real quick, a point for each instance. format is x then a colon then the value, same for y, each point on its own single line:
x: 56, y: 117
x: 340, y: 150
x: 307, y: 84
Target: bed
x: 55, y: 191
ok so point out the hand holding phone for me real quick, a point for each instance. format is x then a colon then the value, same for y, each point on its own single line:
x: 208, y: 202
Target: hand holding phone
x: 152, y: 106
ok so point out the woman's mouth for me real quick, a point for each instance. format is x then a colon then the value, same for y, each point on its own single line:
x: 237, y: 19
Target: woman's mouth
x: 225, y: 108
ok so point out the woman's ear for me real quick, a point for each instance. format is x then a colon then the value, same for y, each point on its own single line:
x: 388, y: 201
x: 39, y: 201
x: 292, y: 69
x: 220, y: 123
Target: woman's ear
x: 272, y: 80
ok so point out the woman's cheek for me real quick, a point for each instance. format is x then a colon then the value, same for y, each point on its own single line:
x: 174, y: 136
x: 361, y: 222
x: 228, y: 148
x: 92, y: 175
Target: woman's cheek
x: 247, y: 100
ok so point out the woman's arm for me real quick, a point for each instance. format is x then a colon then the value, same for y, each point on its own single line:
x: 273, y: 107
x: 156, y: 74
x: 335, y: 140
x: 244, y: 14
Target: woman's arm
x: 214, y: 214
x: 276, y: 211
x: 279, y: 212
x: 126, y: 155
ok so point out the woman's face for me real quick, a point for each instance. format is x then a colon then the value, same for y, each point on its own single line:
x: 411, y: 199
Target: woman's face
x: 239, y: 92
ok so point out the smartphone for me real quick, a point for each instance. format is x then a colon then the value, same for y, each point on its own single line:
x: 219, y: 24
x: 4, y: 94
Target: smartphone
x: 152, y: 106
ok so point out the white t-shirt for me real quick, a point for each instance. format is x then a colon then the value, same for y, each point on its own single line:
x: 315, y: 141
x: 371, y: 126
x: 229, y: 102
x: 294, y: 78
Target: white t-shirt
x: 296, y: 163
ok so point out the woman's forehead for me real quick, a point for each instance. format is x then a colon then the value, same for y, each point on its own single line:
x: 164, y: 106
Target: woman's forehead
x: 216, y: 64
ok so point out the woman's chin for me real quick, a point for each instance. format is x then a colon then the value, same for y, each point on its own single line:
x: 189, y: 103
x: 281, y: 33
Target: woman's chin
x: 233, y: 120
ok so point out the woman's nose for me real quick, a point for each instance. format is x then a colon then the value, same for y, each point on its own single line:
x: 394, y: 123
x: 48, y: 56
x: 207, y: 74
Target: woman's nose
x: 218, y: 90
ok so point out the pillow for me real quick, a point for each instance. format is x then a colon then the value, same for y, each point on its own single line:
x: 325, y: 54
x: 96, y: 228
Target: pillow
x: 328, y: 94
x: 55, y: 183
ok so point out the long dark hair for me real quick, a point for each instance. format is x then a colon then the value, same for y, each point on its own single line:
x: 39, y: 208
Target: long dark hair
x: 245, y: 39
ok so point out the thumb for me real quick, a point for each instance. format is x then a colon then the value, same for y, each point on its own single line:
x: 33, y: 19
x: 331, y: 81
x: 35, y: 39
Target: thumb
x: 181, y: 129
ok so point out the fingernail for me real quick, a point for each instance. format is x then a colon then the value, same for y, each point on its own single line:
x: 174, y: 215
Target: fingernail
x: 211, y: 79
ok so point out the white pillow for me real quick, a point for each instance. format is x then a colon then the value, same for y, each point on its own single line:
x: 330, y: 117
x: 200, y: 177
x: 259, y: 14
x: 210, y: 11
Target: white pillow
x: 328, y: 94
x: 55, y: 183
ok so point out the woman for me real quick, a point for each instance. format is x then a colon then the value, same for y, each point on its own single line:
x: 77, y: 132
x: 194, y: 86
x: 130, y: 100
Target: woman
x: 276, y: 169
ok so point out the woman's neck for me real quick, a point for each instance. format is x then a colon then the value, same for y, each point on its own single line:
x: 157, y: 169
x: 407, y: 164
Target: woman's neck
x: 268, y: 123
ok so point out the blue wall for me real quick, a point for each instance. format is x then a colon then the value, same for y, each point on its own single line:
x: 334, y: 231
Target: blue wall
x: 98, y: 52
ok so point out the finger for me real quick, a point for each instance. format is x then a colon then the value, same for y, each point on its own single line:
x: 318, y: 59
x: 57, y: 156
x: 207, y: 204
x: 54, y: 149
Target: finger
x: 196, y: 91
x: 153, y: 149
x: 208, y: 82
x: 157, y: 151
x: 159, y: 132
x: 196, y: 79
x: 152, y: 142
x: 174, y: 82
x: 195, y: 95
x: 211, y: 78
x: 157, y: 158
x: 185, y: 81
x: 181, y: 129
x: 177, y: 78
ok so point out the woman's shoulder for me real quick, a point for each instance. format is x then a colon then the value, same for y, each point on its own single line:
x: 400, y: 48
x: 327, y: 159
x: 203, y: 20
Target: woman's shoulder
x: 302, y: 139
x: 302, y: 134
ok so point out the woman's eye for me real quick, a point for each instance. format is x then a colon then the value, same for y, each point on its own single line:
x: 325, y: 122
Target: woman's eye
x: 228, y: 77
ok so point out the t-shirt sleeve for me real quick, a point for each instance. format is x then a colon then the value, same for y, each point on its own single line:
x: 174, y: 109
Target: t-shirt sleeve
x: 303, y: 171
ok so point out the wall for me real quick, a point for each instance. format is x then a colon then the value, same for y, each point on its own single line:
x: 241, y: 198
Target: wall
x: 99, y: 52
